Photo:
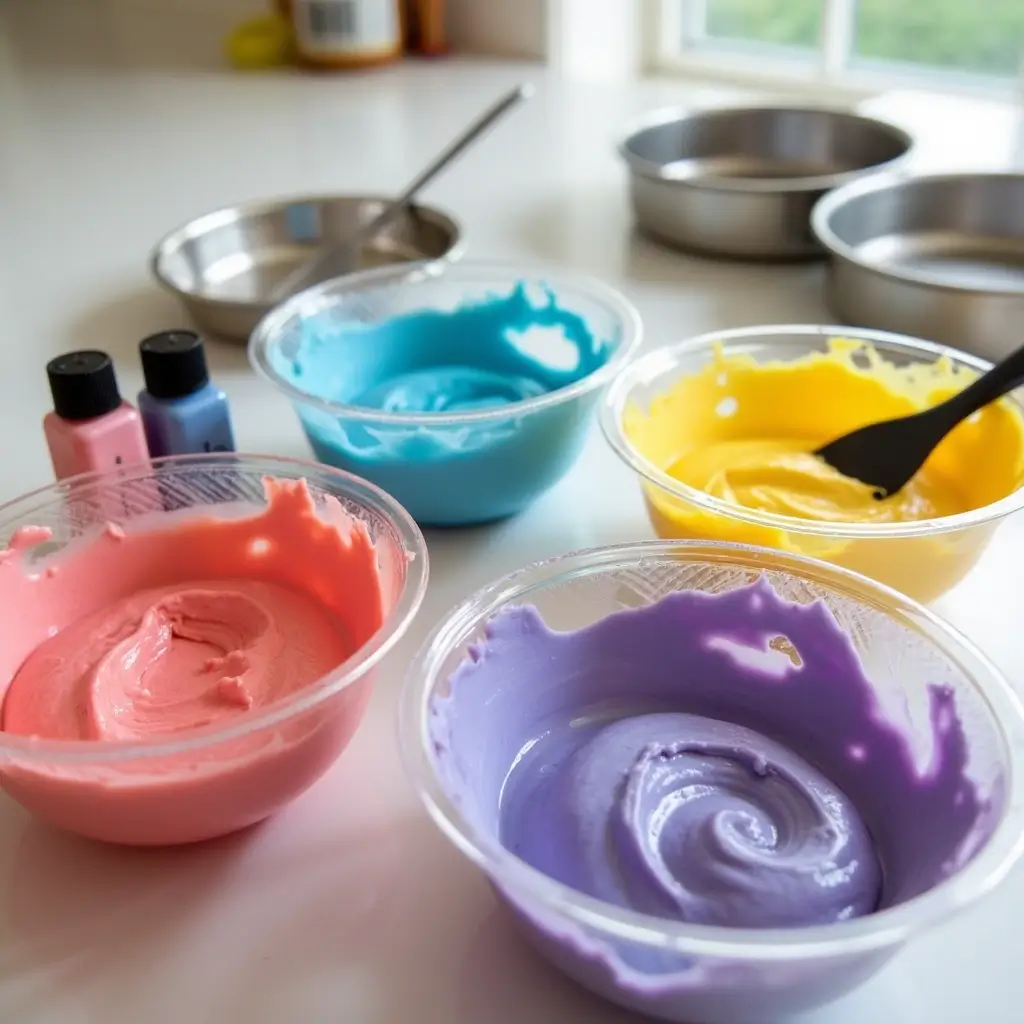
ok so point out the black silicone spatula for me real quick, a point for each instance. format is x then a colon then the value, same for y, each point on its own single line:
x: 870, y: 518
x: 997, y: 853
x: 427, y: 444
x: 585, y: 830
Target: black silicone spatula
x: 886, y: 455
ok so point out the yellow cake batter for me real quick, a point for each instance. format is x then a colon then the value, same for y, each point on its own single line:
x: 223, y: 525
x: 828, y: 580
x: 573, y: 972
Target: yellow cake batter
x: 743, y: 430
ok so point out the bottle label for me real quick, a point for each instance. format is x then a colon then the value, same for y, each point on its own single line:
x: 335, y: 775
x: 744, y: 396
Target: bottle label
x: 346, y: 26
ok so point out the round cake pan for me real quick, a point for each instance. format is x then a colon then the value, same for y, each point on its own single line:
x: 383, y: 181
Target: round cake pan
x: 223, y: 265
x: 742, y: 182
x: 938, y: 256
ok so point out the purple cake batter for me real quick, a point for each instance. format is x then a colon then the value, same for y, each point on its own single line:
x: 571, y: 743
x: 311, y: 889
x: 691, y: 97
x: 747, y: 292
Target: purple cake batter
x: 671, y: 760
x: 685, y: 817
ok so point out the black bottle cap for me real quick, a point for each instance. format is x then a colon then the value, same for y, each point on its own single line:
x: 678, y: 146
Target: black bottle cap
x: 83, y: 385
x: 173, y: 363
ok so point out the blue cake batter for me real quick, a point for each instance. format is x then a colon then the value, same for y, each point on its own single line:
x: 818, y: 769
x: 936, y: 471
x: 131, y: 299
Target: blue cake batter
x: 477, y: 358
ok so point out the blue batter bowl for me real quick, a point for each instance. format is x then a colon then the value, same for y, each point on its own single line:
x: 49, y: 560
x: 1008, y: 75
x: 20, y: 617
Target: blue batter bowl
x: 466, y: 391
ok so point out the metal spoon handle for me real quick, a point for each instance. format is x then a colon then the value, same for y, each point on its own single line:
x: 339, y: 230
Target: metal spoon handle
x: 335, y: 259
x: 446, y: 157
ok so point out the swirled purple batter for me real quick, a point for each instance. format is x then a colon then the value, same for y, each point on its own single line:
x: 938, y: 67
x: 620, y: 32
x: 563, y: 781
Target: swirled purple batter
x: 686, y: 817
x: 669, y: 760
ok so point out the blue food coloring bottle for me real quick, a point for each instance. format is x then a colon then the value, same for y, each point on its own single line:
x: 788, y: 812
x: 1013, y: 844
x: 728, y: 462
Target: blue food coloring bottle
x: 183, y: 413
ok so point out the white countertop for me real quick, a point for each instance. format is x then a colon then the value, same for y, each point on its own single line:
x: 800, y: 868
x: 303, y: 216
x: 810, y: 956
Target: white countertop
x: 350, y: 906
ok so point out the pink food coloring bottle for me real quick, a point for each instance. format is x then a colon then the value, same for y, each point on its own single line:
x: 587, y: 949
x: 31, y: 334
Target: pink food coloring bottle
x: 91, y: 427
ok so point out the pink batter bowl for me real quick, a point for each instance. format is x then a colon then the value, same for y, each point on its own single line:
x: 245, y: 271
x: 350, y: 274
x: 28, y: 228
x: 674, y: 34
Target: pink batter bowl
x: 200, y: 783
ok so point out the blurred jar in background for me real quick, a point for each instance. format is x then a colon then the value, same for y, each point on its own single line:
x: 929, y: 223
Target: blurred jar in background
x: 346, y: 33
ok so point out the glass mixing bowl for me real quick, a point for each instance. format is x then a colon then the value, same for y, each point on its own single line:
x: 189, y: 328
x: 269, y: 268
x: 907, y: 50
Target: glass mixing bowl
x: 198, y: 783
x: 710, y: 974
x: 923, y: 559
x: 465, y: 458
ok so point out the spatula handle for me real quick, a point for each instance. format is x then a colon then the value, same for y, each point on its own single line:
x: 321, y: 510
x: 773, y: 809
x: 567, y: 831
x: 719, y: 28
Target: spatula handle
x: 1003, y: 378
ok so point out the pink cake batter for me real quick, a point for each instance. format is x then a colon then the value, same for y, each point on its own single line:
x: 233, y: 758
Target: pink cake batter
x: 172, y: 658
x: 197, y: 622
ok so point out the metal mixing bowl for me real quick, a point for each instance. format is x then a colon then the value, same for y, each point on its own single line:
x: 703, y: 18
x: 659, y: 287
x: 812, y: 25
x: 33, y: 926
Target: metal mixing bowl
x: 223, y: 265
x: 938, y: 256
x: 743, y: 182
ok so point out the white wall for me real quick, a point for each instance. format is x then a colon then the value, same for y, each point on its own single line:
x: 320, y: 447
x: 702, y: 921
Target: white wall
x: 595, y: 39
x: 500, y: 28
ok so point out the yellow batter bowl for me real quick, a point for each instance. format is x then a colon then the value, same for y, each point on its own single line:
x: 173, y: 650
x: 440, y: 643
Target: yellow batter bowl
x: 721, y: 430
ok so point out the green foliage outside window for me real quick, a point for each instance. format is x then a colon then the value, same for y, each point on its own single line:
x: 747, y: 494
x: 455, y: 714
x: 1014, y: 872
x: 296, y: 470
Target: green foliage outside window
x: 984, y: 36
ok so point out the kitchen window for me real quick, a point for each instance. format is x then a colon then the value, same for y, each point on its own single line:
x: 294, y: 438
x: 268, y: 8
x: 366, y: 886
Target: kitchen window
x: 852, y: 46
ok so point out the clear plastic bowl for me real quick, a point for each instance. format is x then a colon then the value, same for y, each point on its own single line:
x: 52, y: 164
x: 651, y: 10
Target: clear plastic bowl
x: 923, y: 559
x: 467, y: 464
x: 208, y: 781
x: 718, y: 975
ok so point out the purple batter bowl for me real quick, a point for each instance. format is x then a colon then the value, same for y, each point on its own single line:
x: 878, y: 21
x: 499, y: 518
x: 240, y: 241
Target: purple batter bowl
x: 900, y: 711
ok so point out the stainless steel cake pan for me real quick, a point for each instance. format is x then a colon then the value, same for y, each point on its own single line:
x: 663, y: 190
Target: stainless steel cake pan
x: 223, y: 265
x: 742, y: 182
x: 937, y: 256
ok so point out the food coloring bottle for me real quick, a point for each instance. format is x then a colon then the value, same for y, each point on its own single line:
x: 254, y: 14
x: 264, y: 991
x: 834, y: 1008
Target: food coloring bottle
x: 91, y: 427
x: 182, y: 411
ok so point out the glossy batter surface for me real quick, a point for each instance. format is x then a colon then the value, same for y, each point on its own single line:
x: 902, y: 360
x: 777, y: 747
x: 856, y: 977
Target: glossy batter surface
x: 173, y: 658
x: 709, y: 758
x: 482, y: 354
x: 691, y: 818
x: 179, y: 620
x: 478, y: 355
x: 780, y: 476
x: 743, y: 430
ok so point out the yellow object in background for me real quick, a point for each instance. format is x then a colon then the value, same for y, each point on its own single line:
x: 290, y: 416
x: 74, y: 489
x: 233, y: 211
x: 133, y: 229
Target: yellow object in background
x: 742, y: 431
x: 338, y: 34
x: 264, y: 42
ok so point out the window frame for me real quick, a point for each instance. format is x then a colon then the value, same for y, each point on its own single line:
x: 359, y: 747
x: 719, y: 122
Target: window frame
x: 676, y: 45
